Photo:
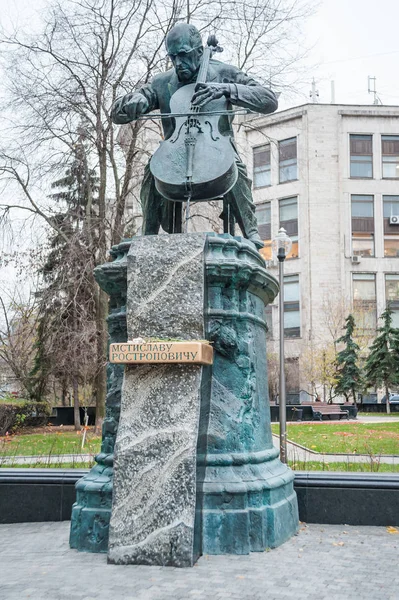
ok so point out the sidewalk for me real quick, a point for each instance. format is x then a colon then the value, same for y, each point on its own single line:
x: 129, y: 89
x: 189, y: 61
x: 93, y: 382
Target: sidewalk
x: 299, y: 453
x: 329, y: 562
x: 52, y: 459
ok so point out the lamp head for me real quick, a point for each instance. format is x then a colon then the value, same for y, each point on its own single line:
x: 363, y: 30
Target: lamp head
x: 281, y: 245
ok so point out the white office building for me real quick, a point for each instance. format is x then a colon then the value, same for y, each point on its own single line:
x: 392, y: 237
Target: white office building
x: 328, y: 174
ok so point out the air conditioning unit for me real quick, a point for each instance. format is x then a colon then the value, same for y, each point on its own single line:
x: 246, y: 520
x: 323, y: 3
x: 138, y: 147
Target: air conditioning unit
x: 394, y: 220
x: 355, y: 260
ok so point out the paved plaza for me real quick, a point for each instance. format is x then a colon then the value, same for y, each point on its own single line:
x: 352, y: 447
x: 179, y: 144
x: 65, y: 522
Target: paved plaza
x: 322, y: 561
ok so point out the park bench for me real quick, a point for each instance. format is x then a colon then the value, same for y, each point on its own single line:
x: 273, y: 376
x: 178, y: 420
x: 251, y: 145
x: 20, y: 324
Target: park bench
x: 351, y: 408
x: 320, y: 410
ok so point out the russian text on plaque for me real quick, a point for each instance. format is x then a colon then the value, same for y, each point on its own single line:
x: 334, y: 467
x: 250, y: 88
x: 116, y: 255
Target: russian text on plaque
x: 199, y: 353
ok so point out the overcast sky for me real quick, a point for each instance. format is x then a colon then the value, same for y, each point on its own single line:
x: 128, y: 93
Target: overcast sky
x: 352, y: 40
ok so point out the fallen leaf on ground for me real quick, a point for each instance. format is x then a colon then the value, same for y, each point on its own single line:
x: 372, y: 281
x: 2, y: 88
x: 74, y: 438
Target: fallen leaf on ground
x: 392, y: 529
x: 338, y: 543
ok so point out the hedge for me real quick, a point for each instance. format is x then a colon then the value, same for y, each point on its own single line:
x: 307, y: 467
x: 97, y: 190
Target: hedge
x: 13, y: 416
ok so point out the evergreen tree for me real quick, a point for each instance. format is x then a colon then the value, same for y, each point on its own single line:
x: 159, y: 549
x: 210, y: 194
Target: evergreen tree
x: 66, y: 341
x: 349, y: 378
x: 382, y: 364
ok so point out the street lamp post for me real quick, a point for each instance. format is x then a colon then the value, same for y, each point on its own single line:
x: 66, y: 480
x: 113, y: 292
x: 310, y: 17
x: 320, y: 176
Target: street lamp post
x: 281, y: 247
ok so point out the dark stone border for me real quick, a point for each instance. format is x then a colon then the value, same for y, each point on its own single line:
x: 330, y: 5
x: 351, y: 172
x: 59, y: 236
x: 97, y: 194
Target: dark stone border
x: 348, y: 498
x: 29, y: 495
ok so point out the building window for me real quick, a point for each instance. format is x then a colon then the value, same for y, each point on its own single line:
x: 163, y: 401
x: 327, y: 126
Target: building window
x: 390, y: 156
x: 269, y: 321
x: 263, y: 215
x: 391, y: 230
x: 292, y: 317
x: 361, y: 152
x: 362, y: 225
x: 392, y: 295
x: 289, y: 220
x: 261, y: 156
x: 287, y: 153
x: 364, y: 300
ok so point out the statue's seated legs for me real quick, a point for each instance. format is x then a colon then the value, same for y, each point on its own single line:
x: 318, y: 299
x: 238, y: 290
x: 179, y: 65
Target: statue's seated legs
x: 237, y: 206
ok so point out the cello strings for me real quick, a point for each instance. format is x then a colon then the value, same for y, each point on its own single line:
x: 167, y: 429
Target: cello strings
x: 187, y: 211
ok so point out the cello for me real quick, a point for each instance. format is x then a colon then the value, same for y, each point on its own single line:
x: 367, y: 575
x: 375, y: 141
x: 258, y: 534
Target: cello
x: 197, y: 163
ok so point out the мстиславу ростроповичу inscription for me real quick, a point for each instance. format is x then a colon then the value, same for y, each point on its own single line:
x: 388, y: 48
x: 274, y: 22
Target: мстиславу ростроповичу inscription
x: 161, y: 352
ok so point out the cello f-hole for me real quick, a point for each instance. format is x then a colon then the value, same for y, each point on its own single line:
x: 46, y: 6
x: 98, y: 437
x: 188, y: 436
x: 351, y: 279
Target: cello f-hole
x: 214, y: 138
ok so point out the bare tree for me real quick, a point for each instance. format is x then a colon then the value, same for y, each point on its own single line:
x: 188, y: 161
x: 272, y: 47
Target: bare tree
x: 269, y: 39
x: 18, y: 326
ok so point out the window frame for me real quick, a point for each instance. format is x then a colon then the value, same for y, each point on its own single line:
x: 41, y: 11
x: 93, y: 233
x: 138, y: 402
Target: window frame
x: 292, y: 308
x: 388, y: 162
x: 394, y: 304
x: 292, y: 236
x: 355, y: 199
x: 254, y: 148
x: 295, y: 137
x: 352, y: 135
x: 266, y: 251
x: 358, y: 274
x: 389, y: 235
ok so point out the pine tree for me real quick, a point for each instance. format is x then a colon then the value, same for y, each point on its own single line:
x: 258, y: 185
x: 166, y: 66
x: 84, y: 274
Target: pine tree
x: 349, y: 377
x: 382, y: 364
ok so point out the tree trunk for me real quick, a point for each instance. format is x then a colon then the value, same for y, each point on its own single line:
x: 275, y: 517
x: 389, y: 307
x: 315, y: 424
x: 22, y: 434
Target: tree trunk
x: 76, y: 412
x: 101, y: 296
x: 354, y: 396
x: 101, y: 377
x: 64, y: 394
x: 387, y: 397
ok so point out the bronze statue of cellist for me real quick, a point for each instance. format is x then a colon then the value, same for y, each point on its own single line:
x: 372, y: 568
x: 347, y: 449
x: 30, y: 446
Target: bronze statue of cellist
x: 185, y: 49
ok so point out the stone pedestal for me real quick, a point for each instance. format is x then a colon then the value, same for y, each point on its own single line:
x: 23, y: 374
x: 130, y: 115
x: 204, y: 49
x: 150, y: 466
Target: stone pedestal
x: 92, y: 510
x: 244, y: 495
x: 154, y: 500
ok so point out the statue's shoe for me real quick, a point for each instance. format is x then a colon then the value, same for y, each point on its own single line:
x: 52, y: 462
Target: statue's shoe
x: 255, y: 239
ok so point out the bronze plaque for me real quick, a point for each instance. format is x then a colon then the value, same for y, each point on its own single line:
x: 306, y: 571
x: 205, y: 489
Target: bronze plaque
x: 134, y: 353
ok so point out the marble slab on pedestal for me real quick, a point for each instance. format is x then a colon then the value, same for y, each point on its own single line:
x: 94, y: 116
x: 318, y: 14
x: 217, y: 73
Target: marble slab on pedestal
x: 154, y: 494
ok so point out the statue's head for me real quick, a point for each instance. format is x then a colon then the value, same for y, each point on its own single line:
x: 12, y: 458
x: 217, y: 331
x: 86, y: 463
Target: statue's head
x: 184, y: 47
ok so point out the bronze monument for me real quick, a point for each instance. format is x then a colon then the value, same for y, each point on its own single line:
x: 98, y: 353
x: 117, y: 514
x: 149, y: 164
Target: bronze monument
x: 194, y: 93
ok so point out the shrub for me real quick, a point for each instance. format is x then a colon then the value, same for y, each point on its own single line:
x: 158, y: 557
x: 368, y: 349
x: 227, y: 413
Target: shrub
x: 14, y: 416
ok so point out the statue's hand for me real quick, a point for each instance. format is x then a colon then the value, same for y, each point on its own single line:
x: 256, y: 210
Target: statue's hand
x: 205, y: 92
x: 135, y: 106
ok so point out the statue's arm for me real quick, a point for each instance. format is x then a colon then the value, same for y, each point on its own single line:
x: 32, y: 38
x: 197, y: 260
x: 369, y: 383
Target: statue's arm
x: 248, y: 93
x: 129, y: 107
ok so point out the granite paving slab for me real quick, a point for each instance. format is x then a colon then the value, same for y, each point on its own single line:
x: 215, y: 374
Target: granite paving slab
x: 330, y: 562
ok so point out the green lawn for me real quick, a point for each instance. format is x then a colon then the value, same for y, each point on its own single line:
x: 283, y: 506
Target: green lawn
x: 353, y: 438
x: 343, y: 466
x: 46, y: 444
x: 11, y: 400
